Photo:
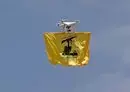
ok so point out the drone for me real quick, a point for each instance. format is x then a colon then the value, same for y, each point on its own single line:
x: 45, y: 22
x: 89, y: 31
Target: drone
x: 67, y: 26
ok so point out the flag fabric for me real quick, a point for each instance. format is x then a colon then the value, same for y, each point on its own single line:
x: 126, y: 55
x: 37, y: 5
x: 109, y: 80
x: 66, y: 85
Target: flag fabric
x: 68, y: 49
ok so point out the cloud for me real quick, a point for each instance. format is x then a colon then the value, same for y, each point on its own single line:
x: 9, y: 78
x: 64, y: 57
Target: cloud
x: 107, y: 83
x: 89, y: 2
x: 114, y: 41
x: 104, y: 3
x: 110, y: 83
x: 114, y: 46
x: 44, y: 6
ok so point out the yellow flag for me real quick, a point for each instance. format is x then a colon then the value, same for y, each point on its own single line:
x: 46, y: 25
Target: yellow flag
x: 68, y: 49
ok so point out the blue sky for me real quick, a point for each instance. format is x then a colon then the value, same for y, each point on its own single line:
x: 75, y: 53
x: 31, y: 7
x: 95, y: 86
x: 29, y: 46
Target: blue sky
x: 24, y: 66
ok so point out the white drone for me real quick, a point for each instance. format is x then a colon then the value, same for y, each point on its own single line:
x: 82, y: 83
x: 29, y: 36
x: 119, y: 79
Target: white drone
x: 67, y: 25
